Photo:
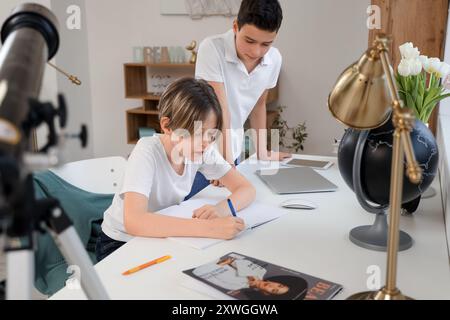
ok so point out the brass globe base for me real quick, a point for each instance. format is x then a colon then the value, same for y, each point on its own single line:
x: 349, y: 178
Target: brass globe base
x: 382, y: 294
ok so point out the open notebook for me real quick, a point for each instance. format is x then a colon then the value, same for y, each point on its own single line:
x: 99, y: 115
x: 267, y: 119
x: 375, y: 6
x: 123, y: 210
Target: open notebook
x: 255, y: 215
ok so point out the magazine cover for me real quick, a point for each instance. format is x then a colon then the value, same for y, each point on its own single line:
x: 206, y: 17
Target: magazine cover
x: 245, y: 278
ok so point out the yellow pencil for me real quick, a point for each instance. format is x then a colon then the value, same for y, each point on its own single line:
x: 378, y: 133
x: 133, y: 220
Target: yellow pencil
x: 145, y: 265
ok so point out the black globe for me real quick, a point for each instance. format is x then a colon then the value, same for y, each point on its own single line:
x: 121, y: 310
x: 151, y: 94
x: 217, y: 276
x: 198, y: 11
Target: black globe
x: 377, y: 157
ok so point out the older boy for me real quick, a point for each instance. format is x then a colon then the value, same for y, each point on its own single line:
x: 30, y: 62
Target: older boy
x: 241, y: 65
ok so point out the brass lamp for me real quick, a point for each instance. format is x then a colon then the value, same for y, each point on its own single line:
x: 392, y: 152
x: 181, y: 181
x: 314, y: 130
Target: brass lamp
x: 360, y: 100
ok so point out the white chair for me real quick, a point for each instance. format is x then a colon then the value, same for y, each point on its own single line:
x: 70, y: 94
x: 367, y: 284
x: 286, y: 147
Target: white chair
x: 101, y: 175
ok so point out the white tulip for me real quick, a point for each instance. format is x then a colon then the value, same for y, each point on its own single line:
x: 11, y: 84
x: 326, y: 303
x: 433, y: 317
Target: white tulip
x: 404, y: 47
x: 434, y: 64
x: 413, y: 54
x: 408, y: 51
x: 416, y: 66
x: 410, y: 67
x: 404, y: 68
x: 424, y: 61
x: 444, y: 70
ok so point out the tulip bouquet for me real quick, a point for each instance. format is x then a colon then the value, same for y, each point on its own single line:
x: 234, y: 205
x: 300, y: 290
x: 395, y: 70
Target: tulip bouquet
x: 422, y: 81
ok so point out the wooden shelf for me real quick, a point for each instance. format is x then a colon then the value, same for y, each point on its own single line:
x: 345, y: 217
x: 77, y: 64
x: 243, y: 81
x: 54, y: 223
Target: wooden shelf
x: 161, y: 65
x: 140, y: 118
x: 148, y: 96
x: 136, y: 87
x: 141, y: 110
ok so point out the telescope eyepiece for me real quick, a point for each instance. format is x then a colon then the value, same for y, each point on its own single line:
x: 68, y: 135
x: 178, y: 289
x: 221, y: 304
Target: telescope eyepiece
x: 36, y: 17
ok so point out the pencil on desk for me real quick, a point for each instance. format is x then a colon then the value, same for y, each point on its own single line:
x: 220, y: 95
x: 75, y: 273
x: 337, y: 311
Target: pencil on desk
x: 145, y: 265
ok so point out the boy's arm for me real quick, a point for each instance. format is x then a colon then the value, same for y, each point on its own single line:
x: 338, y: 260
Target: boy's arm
x: 258, y: 122
x: 242, y: 191
x: 242, y: 195
x: 139, y: 222
x: 225, y: 146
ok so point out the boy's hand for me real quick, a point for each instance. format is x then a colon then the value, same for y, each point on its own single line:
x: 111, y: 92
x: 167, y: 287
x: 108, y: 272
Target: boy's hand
x: 226, y: 228
x: 274, y: 156
x: 208, y: 212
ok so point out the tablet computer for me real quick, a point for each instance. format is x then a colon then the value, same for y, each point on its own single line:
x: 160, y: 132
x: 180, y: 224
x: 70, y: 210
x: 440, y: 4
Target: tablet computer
x: 315, y: 164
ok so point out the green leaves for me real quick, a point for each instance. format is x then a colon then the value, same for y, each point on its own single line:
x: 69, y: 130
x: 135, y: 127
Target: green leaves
x: 413, y: 90
x: 298, y: 135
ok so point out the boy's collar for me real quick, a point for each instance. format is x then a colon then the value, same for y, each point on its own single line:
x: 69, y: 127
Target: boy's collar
x: 231, y: 52
x: 230, y: 47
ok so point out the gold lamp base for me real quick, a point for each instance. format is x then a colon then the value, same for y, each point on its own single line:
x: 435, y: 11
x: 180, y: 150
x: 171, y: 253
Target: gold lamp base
x: 382, y: 294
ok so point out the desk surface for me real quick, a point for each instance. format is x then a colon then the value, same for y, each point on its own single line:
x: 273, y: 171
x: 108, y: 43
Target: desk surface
x: 314, y: 242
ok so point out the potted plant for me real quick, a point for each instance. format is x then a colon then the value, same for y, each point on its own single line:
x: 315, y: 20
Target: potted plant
x: 422, y: 81
x: 422, y: 84
x: 297, y: 134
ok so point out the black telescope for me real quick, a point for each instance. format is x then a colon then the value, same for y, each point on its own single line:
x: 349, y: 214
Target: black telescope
x: 30, y: 38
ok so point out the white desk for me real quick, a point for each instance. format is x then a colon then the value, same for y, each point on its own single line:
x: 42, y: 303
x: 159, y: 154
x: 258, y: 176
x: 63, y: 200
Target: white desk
x: 314, y: 242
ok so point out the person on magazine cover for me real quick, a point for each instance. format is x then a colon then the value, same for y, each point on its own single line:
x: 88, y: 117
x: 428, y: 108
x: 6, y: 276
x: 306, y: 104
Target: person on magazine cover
x: 242, y: 276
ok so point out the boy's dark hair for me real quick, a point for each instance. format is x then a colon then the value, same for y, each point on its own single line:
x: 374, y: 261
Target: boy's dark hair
x: 266, y: 15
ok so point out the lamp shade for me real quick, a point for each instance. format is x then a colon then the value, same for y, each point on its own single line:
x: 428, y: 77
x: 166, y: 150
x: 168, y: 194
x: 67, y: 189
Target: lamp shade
x: 360, y: 99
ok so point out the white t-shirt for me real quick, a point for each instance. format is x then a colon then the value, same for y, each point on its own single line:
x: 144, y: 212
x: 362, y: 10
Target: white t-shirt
x: 149, y: 172
x: 218, y: 62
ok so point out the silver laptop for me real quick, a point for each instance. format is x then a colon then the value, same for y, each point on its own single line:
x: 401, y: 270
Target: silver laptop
x: 295, y: 180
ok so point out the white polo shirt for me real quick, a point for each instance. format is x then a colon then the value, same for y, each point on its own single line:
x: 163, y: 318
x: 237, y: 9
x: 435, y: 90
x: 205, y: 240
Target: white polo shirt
x: 218, y: 62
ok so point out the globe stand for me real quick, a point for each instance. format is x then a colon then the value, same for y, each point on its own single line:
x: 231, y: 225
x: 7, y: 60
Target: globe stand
x: 374, y: 237
x: 429, y: 193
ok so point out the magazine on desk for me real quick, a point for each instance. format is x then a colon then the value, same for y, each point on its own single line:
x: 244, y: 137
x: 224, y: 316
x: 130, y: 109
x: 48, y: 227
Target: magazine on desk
x: 242, y: 277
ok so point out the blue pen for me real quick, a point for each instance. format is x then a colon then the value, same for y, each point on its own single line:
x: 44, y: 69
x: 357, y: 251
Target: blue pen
x: 230, y: 204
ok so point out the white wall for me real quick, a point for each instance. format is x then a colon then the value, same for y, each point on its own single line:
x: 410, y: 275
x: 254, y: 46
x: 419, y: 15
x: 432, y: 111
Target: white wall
x: 443, y: 140
x: 49, y: 89
x: 73, y: 57
x: 115, y: 26
x: 319, y: 38
x: 444, y: 108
